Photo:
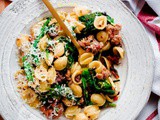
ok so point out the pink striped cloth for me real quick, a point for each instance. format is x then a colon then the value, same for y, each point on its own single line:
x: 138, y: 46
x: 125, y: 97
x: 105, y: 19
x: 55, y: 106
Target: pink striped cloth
x: 148, y: 12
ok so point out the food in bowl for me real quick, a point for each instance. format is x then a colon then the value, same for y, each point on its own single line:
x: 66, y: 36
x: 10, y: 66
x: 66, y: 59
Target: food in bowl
x: 55, y: 79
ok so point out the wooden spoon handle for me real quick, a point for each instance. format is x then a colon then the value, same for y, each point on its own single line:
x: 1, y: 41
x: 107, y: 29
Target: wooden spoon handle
x: 64, y: 27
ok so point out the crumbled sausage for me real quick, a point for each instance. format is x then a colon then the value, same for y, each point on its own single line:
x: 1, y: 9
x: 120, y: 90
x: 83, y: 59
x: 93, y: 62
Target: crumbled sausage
x: 117, y: 40
x: 113, y: 30
x: 90, y: 44
x: 104, y: 74
x: 59, y: 77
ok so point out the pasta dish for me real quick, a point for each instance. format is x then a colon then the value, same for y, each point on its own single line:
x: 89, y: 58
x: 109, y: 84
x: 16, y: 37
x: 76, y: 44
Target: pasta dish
x: 58, y: 81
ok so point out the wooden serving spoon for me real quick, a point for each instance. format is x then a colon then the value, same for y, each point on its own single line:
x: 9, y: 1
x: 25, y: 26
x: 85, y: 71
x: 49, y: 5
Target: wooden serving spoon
x: 64, y: 27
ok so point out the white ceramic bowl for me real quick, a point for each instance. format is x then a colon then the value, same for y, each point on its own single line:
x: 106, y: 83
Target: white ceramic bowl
x: 136, y: 70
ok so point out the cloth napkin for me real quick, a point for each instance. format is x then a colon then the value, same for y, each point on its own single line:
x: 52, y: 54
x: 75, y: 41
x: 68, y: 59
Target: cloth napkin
x: 148, y: 12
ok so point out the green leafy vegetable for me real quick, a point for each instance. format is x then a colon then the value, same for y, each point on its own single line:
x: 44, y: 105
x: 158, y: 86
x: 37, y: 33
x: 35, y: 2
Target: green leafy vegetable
x: 71, y: 49
x: 58, y: 91
x: 28, y: 69
x: 110, y: 20
x: 35, y: 59
x: 47, y: 54
x: 112, y: 105
x: 88, y: 20
x: 44, y: 30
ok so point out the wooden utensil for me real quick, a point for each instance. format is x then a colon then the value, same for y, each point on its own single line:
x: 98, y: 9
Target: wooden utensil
x: 64, y: 27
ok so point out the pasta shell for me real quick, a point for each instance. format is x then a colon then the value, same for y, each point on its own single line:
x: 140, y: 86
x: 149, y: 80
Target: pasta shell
x: 97, y: 65
x: 53, y: 20
x: 59, y: 50
x: 67, y: 102
x: 49, y: 58
x: 43, y: 43
x: 106, y: 62
x: 43, y: 87
x: 77, y: 90
x: 36, y: 28
x: 92, y: 111
x: 75, y: 67
x: 80, y: 116
x: 118, y: 50
x: 74, y: 75
x: 79, y: 27
x: 117, y: 89
x: 108, y: 98
x: 62, y: 15
x: 34, y: 84
x: 100, y: 22
x: 41, y: 73
x: 72, y: 111
x: 61, y: 63
x: 51, y: 77
x: 29, y: 95
x: 112, y: 83
x: 98, y: 99
x: 107, y: 46
x: 23, y: 39
x: 102, y: 36
x: 19, y: 74
x: 86, y: 58
x: 81, y: 10
x: 35, y: 104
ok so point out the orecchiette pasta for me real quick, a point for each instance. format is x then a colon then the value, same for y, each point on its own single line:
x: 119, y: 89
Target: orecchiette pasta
x: 107, y: 46
x: 51, y: 76
x: 102, y: 36
x: 22, y: 40
x: 92, y: 111
x: 74, y: 75
x: 62, y: 15
x: 79, y: 27
x: 59, y: 50
x: 108, y: 98
x: 77, y: 90
x: 97, y: 65
x: 80, y: 116
x: 117, y: 89
x: 100, y: 22
x: 44, y: 86
x: 33, y: 84
x: 106, y: 62
x: 81, y: 10
x: 75, y: 67
x: 35, y: 104
x: 49, y: 57
x: 60, y: 76
x: 72, y: 111
x: 43, y: 43
x: 98, y: 99
x: 68, y: 102
x: 29, y: 95
x: 119, y: 50
x: 60, y: 63
x: 36, y: 29
x: 41, y: 73
x: 53, y: 20
x: 86, y: 58
x: 112, y: 83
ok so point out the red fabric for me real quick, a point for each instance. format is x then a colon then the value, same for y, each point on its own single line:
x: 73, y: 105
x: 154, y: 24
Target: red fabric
x: 152, y: 115
x: 146, y: 15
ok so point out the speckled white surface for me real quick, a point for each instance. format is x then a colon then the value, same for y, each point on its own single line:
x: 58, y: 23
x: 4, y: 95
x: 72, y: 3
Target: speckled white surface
x: 136, y: 70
